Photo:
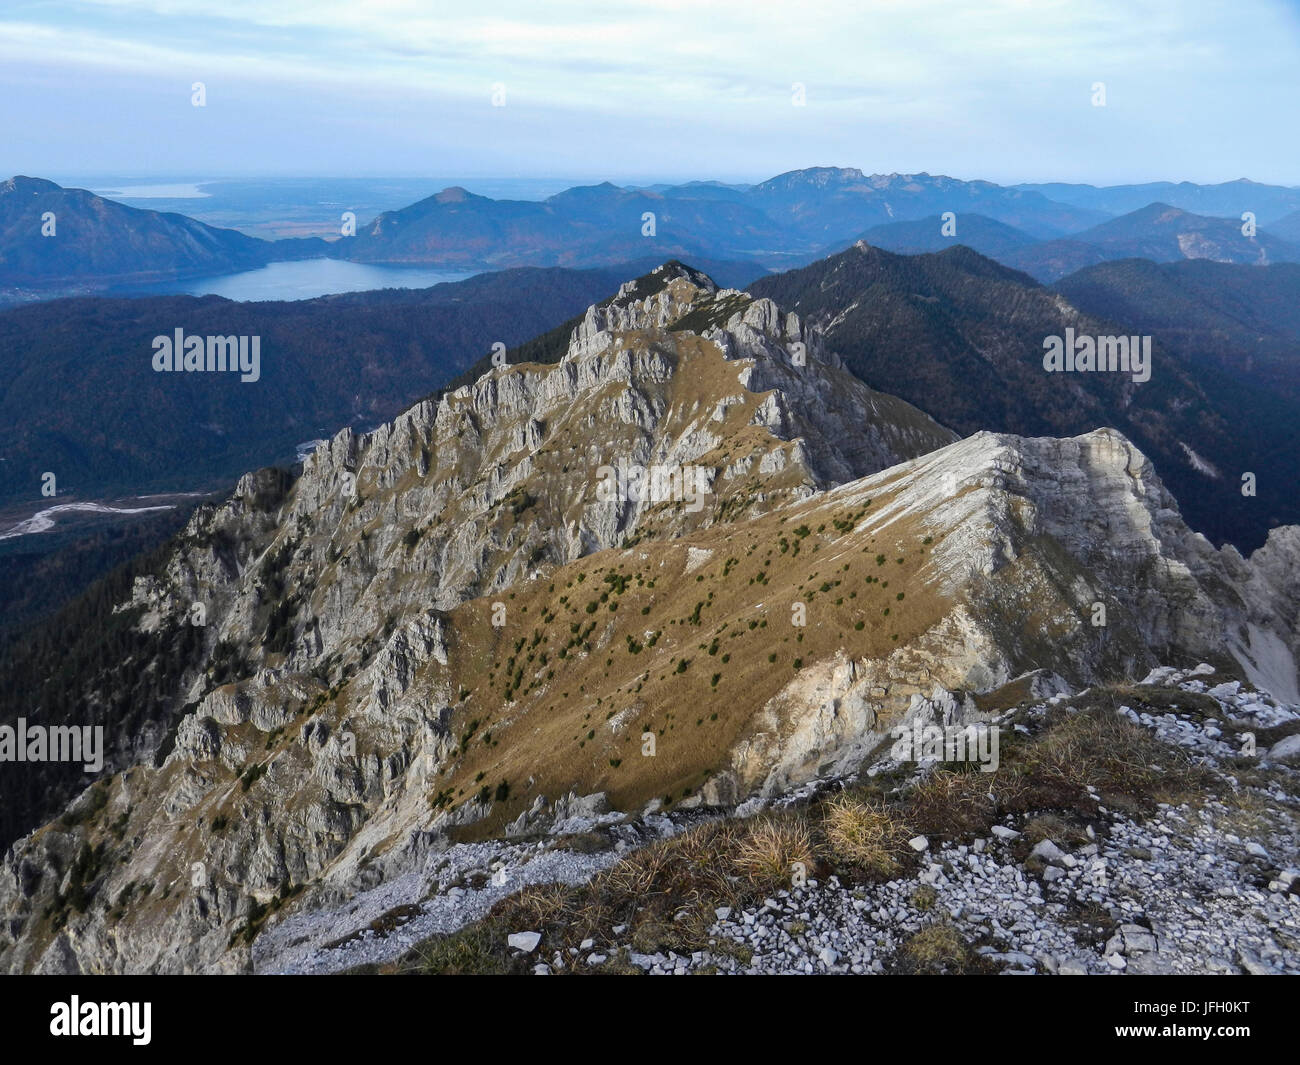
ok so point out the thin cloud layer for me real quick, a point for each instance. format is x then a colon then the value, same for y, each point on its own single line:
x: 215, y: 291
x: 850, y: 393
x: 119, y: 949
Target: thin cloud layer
x: 658, y: 89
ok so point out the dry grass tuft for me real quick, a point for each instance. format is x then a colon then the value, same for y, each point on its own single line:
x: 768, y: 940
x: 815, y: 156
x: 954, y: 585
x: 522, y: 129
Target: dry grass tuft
x: 476, y: 950
x: 1057, y: 829
x: 865, y: 835
x: 1125, y: 763
x: 770, y: 848
x: 939, y: 949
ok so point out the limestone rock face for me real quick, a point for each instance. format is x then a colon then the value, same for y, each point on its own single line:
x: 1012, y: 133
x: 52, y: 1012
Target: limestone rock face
x: 425, y: 632
x: 473, y: 494
x: 1267, y: 644
x: 1036, y: 540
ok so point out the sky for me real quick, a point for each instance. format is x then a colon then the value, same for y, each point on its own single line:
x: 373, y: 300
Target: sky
x: 651, y: 90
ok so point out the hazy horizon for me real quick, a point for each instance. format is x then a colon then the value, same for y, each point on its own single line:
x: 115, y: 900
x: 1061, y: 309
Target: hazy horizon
x: 96, y: 180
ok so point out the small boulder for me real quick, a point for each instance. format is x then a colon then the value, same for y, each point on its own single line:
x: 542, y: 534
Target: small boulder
x: 1048, y: 851
x: 525, y: 941
x: 1286, y: 749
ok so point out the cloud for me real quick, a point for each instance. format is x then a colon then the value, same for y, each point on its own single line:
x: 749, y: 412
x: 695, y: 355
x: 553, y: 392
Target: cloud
x: 918, y: 77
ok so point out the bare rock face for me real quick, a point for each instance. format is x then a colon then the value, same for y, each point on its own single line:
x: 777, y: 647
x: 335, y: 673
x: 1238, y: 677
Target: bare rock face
x: 445, y: 625
x: 1067, y: 555
x: 670, y: 292
x: 1266, y: 644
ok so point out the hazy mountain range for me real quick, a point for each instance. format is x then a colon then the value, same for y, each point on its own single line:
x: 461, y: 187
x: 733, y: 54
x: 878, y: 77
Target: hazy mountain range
x: 1227, y: 199
x: 1157, y: 232
x: 786, y: 221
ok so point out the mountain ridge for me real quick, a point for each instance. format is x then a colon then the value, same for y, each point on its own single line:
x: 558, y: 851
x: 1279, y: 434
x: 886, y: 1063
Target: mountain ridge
x: 53, y: 236
x: 778, y: 223
x: 1157, y: 232
x: 442, y: 631
x: 962, y: 337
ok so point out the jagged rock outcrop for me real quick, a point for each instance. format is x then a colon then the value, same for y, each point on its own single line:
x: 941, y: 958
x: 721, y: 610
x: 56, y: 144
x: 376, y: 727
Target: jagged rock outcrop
x: 472, y: 494
x: 444, y: 628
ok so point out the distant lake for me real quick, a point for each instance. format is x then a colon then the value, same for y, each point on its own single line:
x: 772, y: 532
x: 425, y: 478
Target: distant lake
x: 186, y: 191
x: 304, y: 280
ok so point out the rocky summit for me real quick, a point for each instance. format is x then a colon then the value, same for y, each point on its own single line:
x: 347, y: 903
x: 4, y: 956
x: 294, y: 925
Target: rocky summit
x: 654, y: 658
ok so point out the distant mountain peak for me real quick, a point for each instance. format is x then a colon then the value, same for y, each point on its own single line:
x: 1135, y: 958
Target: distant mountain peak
x: 1162, y: 211
x: 653, y: 300
x: 864, y: 248
x: 21, y: 183
x: 581, y: 192
x: 815, y: 176
x: 675, y: 268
